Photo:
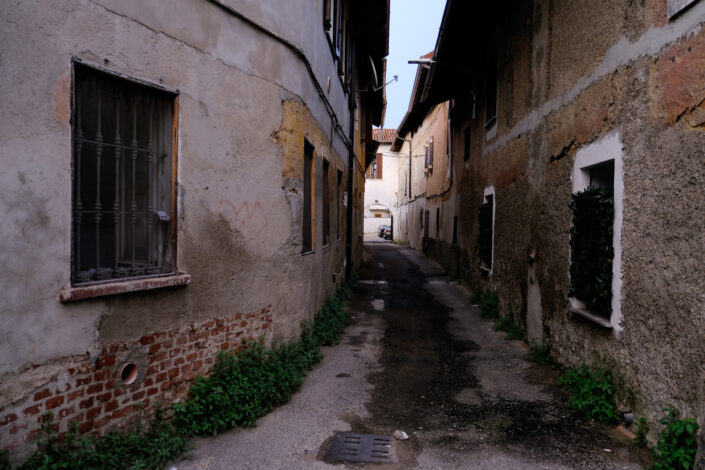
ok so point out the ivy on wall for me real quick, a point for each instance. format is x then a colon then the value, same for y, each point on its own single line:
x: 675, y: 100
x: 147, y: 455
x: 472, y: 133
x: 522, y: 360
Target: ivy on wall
x: 591, y: 249
x: 484, y: 238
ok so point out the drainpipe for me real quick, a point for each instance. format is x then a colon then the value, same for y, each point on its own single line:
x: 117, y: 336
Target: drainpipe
x: 351, y: 174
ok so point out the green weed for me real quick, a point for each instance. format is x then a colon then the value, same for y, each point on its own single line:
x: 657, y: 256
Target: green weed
x: 540, y: 353
x: 488, y: 302
x: 592, y: 392
x: 4, y: 460
x: 591, y: 248
x: 642, y: 429
x: 677, y: 442
x: 143, y: 447
x: 476, y: 296
x: 242, y: 387
x: 509, y: 325
x: 246, y: 385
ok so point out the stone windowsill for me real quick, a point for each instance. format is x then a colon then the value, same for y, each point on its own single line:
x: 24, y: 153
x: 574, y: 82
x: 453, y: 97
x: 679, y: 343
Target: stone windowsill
x: 579, y: 308
x: 71, y: 294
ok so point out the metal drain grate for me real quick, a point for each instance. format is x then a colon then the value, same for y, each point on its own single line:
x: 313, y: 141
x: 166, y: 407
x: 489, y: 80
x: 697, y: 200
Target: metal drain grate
x: 369, y: 448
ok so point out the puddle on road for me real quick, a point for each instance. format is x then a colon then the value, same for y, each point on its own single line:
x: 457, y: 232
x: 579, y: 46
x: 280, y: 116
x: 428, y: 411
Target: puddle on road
x: 426, y: 385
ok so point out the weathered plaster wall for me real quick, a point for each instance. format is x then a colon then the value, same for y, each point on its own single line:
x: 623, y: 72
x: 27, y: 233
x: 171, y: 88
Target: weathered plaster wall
x: 246, y: 104
x: 590, y: 75
x: 432, y: 191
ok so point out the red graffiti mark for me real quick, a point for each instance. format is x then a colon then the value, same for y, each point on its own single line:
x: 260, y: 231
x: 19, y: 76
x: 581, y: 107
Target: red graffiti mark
x: 249, y: 220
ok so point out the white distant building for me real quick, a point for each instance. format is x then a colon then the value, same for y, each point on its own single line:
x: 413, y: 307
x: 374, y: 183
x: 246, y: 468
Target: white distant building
x: 381, y: 183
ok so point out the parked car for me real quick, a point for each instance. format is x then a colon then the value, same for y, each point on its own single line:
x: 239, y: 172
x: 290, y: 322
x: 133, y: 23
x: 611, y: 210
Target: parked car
x: 388, y: 233
x: 381, y: 229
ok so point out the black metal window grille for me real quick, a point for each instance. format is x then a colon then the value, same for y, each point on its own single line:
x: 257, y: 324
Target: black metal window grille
x: 122, y: 178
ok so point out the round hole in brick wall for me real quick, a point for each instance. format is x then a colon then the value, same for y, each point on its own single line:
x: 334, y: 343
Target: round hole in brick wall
x: 128, y: 373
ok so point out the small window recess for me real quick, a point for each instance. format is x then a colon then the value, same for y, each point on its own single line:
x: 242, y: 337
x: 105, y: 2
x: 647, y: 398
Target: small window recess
x: 491, y: 95
x: 599, y: 164
x: 466, y: 139
x: 308, y: 242
x: 438, y: 222
x: 455, y: 230
x: 428, y: 151
x: 487, y: 259
x: 325, y: 176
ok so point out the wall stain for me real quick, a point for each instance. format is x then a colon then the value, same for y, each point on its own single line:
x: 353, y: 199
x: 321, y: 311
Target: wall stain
x: 249, y: 220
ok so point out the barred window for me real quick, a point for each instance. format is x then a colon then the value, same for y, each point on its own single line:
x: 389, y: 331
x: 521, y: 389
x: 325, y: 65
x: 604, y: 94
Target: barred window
x: 122, y: 178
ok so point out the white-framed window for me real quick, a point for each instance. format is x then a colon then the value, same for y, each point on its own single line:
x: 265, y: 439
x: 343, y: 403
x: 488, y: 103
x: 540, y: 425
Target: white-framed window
x: 599, y: 165
x: 486, y: 219
x: 122, y: 198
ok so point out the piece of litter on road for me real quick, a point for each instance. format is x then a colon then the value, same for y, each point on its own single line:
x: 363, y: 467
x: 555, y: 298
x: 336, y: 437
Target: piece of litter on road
x: 400, y: 435
x: 607, y: 450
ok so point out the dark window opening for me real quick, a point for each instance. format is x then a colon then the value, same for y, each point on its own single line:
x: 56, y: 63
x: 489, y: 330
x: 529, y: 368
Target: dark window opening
x: 455, y: 230
x: 466, y: 150
x: 326, y: 203
x: 340, y: 205
x: 438, y: 221
x: 122, y: 178
x: 327, y: 23
x: 485, y: 234
x: 308, y: 198
x: 428, y: 160
x: 592, y: 241
x: 491, y: 91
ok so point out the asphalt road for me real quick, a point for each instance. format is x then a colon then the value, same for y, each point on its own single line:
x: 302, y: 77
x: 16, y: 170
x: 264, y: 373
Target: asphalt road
x: 419, y: 358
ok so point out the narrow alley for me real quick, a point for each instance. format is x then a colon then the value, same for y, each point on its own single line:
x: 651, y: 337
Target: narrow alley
x: 419, y: 358
x: 191, y: 188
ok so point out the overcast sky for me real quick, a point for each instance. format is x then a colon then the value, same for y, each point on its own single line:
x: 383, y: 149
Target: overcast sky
x: 413, y: 32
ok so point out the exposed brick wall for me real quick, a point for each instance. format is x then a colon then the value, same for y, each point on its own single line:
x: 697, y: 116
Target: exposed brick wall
x: 91, y: 393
